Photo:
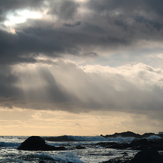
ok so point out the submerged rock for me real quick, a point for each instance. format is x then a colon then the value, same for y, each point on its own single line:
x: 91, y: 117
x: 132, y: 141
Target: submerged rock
x: 37, y: 143
x: 80, y: 147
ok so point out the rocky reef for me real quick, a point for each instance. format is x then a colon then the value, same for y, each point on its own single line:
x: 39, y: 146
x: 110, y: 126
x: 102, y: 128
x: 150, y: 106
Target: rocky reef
x: 136, y: 144
x: 148, y: 148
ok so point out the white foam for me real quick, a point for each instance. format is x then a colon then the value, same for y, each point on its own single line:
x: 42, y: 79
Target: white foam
x: 65, y: 157
x: 44, y: 156
x: 154, y: 137
x: 68, y: 157
x: 100, y: 138
x: 120, y: 139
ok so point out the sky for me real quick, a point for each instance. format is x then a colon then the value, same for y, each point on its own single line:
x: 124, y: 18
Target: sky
x: 81, y: 67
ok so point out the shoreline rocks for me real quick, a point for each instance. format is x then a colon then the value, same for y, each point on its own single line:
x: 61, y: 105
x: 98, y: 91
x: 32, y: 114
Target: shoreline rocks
x: 144, y: 156
x: 147, y: 156
x: 136, y: 144
x: 35, y: 143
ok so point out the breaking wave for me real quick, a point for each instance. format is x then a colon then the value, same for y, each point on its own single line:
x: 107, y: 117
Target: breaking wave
x: 87, y: 138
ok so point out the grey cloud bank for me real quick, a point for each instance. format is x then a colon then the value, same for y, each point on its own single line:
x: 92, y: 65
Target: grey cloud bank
x: 66, y: 86
x: 126, y: 31
x: 80, y: 28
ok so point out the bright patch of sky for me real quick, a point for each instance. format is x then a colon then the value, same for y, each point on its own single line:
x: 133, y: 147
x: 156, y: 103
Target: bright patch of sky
x: 21, y: 16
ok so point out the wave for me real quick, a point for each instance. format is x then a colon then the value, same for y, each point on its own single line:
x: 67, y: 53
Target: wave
x: 154, y: 137
x: 8, y: 144
x: 68, y: 138
x: 61, y: 140
x: 87, y: 138
x: 64, y: 157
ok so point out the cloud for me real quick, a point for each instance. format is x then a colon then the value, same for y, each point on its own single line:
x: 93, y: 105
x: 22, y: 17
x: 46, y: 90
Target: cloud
x: 66, y: 86
x: 22, y: 47
x: 72, y: 24
x: 8, y: 7
x: 34, y: 73
x: 64, y: 9
x: 100, y: 27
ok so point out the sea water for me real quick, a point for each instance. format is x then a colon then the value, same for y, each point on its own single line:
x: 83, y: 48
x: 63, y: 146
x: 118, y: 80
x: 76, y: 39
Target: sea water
x: 92, y: 153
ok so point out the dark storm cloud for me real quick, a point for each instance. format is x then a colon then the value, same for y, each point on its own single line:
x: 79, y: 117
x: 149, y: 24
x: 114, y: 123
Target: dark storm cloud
x: 9, y: 93
x: 129, y: 15
x: 22, y: 47
x: 72, y: 24
x: 104, y: 24
x: 64, y: 9
x: 2, y: 18
x: 10, y: 6
x: 127, y: 6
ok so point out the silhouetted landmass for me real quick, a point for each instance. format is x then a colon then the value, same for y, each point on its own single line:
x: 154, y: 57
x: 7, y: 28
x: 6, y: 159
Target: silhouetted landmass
x: 128, y: 134
x: 59, y: 138
x: 37, y: 143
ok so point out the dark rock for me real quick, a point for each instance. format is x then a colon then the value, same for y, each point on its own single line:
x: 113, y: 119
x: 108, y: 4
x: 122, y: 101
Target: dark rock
x: 114, y: 145
x: 37, y: 143
x: 144, y: 156
x: 125, y: 153
x: 80, y: 147
x: 139, y: 144
x: 146, y: 135
x: 123, y: 134
x: 130, y: 134
x: 106, y: 144
x: 147, y: 144
x: 147, y: 156
x: 136, y: 144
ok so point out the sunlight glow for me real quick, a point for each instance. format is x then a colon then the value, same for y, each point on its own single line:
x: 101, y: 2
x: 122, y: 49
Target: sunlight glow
x: 21, y: 17
x: 12, y: 30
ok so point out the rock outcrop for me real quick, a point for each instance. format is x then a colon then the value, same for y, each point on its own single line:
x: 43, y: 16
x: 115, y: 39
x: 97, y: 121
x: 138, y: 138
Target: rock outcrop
x: 144, y: 156
x: 147, y: 156
x: 37, y: 143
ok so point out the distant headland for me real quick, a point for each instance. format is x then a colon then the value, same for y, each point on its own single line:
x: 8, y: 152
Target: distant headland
x: 132, y: 134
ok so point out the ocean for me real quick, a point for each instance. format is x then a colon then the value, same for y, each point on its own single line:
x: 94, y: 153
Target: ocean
x: 92, y: 153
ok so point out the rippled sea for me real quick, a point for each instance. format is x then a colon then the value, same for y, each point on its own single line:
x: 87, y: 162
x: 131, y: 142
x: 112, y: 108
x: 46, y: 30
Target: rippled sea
x: 91, y: 154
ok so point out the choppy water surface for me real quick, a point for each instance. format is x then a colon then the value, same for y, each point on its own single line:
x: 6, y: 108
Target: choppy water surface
x: 92, y: 154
